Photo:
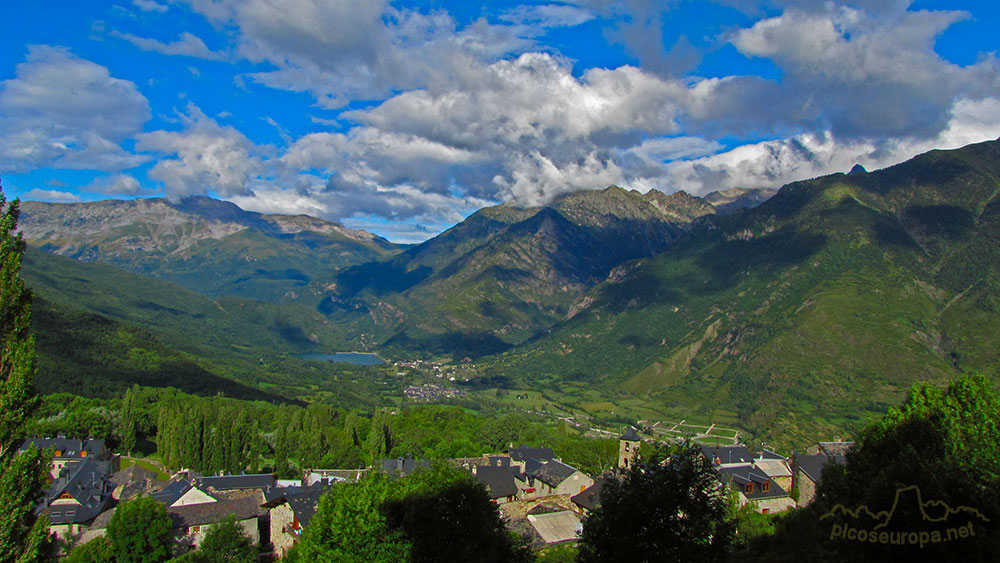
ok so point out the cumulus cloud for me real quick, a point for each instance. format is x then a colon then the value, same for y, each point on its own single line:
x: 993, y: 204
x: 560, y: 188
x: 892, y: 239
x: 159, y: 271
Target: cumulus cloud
x: 116, y: 184
x: 807, y: 155
x: 188, y: 45
x: 55, y: 196
x: 341, y: 50
x: 525, y: 130
x: 62, y: 111
x: 856, y: 73
x: 204, y: 157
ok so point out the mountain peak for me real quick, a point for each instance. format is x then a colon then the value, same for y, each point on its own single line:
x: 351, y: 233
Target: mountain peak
x: 857, y: 169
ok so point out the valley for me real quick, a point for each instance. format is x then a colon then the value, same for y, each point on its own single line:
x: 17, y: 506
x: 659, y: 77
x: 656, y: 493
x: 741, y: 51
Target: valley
x: 786, y: 318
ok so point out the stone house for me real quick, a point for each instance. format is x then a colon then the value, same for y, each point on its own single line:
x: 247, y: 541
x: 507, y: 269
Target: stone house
x: 807, y: 471
x: 191, y: 522
x: 776, y: 467
x: 77, y: 495
x: 550, y: 478
x: 183, y: 493
x: 754, y: 486
x: 66, y: 450
x: 589, y: 499
x: 290, y: 511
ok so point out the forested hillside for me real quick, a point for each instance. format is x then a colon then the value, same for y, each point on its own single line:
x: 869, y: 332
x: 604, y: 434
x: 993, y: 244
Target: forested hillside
x: 797, y: 317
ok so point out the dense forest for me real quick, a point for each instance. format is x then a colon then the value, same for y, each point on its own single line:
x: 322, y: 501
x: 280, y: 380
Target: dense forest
x: 212, y: 434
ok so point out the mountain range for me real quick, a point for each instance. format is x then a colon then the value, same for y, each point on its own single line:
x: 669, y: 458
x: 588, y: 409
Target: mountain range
x: 787, y: 315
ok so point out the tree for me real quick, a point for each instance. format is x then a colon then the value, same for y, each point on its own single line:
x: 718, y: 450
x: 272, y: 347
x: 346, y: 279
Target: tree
x: 225, y: 542
x: 22, y: 476
x: 438, y: 514
x: 97, y: 550
x: 940, y: 448
x: 128, y: 422
x: 140, y: 532
x: 669, y: 507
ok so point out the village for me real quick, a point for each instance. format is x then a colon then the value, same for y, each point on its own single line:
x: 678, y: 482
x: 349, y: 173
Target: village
x: 541, y: 498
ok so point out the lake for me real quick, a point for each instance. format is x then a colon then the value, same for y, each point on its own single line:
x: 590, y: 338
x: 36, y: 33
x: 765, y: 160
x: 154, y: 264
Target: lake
x: 357, y: 358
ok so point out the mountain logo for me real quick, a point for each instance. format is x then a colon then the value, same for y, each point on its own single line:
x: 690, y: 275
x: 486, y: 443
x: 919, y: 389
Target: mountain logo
x: 910, y: 521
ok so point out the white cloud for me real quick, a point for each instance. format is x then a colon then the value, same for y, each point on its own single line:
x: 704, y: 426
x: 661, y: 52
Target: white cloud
x: 342, y: 50
x: 203, y: 157
x: 545, y: 16
x: 775, y: 163
x: 858, y: 74
x: 54, y: 196
x: 150, y: 6
x: 116, y: 184
x: 188, y: 45
x: 62, y: 111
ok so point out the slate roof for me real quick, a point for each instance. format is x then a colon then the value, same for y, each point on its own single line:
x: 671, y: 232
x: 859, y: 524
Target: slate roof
x: 834, y: 448
x: 230, y: 482
x: 499, y: 481
x: 812, y: 465
x: 304, y: 505
x: 303, y: 501
x: 553, y: 472
x: 630, y: 435
x: 773, y: 467
x: 86, y: 483
x: 174, y: 491
x: 212, y: 512
x: 68, y: 447
x: 403, y: 465
x: 525, y: 453
x: 557, y: 526
x: 727, y: 454
x: 741, y: 475
x: 132, y: 474
x: 590, y: 498
x: 766, y: 454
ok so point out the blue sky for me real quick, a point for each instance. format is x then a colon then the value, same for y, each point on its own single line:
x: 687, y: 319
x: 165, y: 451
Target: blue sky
x: 404, y: 117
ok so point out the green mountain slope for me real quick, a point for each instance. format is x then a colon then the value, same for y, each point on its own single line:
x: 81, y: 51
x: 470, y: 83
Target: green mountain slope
x: 100, y: 329
x: 506, y: 273
x: 794, y: 318
x: 209, y: 246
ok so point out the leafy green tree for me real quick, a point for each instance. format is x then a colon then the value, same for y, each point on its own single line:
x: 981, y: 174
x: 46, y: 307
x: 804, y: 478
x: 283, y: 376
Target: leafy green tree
x: 128, y: 422
x: 140, y: 532
x: 439, y: 514
x: 22, y: 476
x: 97, y: 550
x: 943, y: 442
x: 668, y: 507
x: 225, y: 542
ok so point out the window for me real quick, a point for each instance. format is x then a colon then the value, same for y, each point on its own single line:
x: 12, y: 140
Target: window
x: 626, y: 446
x: 765, y: 486
x: 765, y: 510
x: 749, y: 488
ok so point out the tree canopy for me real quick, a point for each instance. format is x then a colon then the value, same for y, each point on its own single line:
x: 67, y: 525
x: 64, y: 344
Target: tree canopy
x: 437, y: 514
x: 140, y: 532
x: 930, y: 466
x: 668, y: 507
x: 22, y: 476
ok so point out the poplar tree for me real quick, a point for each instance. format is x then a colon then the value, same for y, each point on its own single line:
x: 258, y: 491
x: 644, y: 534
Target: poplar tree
x: 128, y: 425
x: 23, y: 537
